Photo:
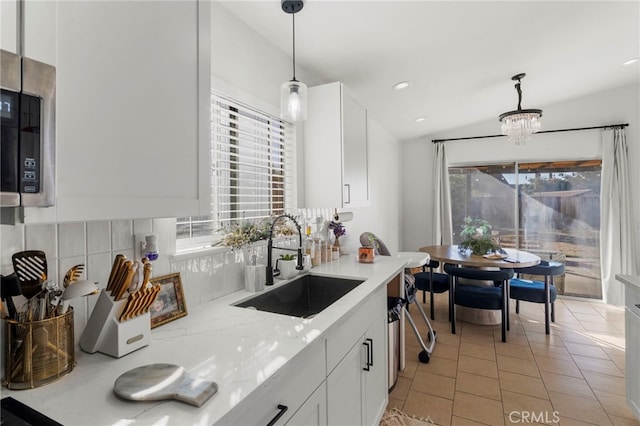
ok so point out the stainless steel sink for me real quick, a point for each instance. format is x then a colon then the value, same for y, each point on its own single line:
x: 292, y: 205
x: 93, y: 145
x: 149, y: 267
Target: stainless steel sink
x: 303, y: 297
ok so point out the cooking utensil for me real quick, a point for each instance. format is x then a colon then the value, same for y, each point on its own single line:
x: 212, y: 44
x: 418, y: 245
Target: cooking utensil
x: 125, y: 282
x: 156, y: 382
x: 120, y: 277
x: 73, y: 274
x: 9, y: 287
x: 75, y: 290
x: 119, y: 259
x: 31, y: 269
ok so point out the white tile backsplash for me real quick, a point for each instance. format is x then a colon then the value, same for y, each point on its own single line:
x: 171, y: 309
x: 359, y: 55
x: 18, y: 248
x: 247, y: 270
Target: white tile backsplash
x: 95, y: 244
x: 42, y: 237
x: 121, y: 235
x: 12, y: 238
x: 98, y: 237
x: 71, y: 239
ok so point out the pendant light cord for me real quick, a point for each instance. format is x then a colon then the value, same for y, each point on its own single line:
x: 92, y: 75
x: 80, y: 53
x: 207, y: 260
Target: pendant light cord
x: 293, y: 16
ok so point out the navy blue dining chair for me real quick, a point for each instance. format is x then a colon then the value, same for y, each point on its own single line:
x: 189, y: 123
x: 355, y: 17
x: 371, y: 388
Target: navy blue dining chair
x: 538, y: 291
x: 432, y: 282
x: 480, y: 296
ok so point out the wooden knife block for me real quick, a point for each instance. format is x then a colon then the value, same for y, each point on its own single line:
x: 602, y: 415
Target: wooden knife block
x: 105, y: 334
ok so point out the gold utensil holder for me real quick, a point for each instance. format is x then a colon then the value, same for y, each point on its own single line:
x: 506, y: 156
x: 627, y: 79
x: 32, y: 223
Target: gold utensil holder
x: 38, y: 352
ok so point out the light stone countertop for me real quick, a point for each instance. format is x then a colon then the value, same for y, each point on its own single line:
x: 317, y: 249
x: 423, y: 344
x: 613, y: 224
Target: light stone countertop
x: 629, y: 279
x: 237, y: 348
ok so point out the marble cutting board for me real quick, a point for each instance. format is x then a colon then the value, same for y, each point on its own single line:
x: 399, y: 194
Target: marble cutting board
x: 156, y: 382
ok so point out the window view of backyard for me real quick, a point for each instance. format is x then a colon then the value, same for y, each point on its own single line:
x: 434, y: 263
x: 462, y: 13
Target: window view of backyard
x: 551, y: 209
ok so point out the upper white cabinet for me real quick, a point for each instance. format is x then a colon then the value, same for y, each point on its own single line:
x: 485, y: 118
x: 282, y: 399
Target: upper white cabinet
x: 132, y: 119
x: 9, y: 25
x: 335, y: 149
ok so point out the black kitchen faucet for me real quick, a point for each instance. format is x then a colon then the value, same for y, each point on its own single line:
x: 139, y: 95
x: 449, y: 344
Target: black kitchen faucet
x: 270, y: 247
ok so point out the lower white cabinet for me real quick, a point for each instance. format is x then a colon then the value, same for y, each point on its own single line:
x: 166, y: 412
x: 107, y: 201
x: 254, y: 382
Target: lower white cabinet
x: 357, y: 386
x: 632, y: 347
x: 314, y: 411
x: 287, y: 397
x: 340, y: 379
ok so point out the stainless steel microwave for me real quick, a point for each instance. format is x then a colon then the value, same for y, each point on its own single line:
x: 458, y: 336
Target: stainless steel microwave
x: 27, y: 138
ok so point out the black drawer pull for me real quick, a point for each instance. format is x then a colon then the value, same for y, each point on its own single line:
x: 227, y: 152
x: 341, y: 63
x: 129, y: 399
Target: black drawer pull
x: 637, y: 305
x: 283, y: 409
x: 368, y: 364
x: 371, y: 342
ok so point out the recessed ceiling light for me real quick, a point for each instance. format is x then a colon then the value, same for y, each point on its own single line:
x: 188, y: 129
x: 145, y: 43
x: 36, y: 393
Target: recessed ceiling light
x: 420, y: 119
x: 631, y: 61
x: 401, y: 85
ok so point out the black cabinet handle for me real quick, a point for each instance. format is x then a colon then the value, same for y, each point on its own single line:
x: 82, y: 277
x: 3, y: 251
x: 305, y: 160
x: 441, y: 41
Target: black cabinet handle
x: 637, y: 305
x: 371, y: 350
x: 368, y: 364
x: 283, y: 409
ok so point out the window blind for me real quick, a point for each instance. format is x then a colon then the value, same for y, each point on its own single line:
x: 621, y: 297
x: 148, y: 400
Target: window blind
x: 252, y: 168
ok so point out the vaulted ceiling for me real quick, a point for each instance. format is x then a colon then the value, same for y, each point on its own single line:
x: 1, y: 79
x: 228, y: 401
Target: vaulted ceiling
x: 459, y: 55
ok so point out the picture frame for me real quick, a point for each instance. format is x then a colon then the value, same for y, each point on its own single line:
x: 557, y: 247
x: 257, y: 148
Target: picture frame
x: 170, y: 303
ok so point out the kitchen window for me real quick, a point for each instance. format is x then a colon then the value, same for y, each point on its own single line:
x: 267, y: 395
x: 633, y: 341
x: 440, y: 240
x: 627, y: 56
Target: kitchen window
x: 252, y: 171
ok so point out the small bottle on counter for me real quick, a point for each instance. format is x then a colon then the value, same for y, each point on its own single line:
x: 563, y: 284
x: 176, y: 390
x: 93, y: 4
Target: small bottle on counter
x: 316, y: 258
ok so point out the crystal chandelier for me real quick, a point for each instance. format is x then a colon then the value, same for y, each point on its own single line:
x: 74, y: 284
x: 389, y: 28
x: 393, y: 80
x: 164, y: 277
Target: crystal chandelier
x: 293, y: 93
x: 520, y: 124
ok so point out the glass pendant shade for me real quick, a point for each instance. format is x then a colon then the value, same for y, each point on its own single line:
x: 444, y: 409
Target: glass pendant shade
x: 293, y: 101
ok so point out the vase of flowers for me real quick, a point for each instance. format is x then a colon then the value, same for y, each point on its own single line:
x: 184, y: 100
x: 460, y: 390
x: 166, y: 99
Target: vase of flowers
x: 338, y: 231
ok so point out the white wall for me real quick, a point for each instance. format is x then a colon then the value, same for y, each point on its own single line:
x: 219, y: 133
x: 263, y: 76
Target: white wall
x: 620, y: 105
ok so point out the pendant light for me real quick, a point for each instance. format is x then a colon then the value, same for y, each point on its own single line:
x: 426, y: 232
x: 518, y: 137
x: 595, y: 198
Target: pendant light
x: 520, y: 124
x: 293, y: 93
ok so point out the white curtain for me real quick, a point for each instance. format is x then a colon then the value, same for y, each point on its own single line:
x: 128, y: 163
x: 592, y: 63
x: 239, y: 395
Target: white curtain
x: 442, y: 227
x: 617, y: 247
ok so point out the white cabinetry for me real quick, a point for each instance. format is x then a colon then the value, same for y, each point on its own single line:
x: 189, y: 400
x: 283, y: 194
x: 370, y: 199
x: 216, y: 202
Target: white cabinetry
x: 133, y: 86
x: 335, y: 149
x: 357, y: 386
x: 314, y: 411
x: 632, y: 346
x: 290, y: 396
x: 9, y: 25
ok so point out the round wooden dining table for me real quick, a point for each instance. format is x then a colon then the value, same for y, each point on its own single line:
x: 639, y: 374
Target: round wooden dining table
x: 450, y: 254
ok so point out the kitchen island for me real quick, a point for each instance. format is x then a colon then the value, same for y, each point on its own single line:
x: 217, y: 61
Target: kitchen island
x: 250, y: 354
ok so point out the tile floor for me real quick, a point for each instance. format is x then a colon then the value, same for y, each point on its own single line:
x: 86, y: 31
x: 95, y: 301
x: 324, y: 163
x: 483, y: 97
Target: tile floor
x: 573, y: 376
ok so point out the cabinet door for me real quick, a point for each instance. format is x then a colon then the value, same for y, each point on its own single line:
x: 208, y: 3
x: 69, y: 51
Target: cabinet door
x: 314, y: 411
x: 632, y: 361
x: 344, y: 388
x: 375, y: 387
x: 354, y: 149
x: 132, y: 109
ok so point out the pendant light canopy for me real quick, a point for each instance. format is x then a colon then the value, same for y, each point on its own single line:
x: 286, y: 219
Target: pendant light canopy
x: 293, y: 93
x: 520, y: 124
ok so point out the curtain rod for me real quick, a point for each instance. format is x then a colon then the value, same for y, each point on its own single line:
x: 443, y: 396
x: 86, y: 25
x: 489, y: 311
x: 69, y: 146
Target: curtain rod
x: 610, y: 126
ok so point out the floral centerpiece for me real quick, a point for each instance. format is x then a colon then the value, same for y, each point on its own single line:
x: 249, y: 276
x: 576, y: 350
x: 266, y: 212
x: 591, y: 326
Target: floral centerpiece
x: 476, y: 236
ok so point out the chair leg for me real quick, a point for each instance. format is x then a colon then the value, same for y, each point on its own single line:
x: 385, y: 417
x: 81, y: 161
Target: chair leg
x: 518, y: 306
x: 547, y: 298
x: 452, y: 304
x: 505, y: 310
x: 507, y: 297
x: 553, y: 312
x: 431, y: 301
